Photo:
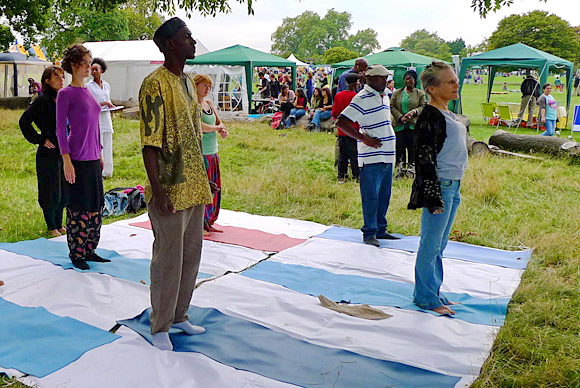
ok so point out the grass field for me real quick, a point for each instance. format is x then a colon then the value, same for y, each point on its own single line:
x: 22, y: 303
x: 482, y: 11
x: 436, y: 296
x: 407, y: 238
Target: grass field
x: 507, y: 203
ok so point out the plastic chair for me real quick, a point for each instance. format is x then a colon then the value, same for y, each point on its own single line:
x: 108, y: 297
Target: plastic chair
x: 488, y: 110
x: 505, y: 114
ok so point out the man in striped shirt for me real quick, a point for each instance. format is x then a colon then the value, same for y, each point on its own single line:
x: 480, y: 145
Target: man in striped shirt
x: 370, y: 108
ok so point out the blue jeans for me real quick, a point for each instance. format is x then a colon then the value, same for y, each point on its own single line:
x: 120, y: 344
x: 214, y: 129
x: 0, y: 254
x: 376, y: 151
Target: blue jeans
x: 320, y: 115
x: 375, y: 190
x: 435, y: 229
x: 550, y: 125
x: 297, y: 113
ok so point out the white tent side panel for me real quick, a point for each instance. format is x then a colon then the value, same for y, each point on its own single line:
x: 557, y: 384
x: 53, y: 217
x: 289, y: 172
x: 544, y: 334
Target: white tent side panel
x: 229, y: 92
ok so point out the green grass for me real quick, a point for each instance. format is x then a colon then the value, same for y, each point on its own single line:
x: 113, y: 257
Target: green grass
x: 507, y: 203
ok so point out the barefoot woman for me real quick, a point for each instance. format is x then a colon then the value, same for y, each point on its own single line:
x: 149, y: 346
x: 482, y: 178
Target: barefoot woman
x: 440, y: 160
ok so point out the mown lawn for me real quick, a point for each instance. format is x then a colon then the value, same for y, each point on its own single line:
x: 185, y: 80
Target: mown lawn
x: 507, y: 203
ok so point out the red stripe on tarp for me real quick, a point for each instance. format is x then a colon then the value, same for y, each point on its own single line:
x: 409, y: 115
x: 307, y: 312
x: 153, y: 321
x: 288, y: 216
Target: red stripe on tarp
x: 249, y: 238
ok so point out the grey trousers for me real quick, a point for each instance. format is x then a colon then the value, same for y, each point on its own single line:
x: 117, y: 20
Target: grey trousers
x: 174, y: 265
x: 529, y: 103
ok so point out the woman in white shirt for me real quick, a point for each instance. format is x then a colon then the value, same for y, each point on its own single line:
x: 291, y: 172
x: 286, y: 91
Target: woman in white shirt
x: 102, y: 92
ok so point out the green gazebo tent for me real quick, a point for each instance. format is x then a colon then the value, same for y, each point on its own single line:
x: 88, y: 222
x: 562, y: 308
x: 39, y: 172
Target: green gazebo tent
x: 396, y: 59
x: 518, y: 56
x: 239, y: 55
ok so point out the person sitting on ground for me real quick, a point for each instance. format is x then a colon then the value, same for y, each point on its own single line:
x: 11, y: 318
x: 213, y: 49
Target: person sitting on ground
x: 323, y: 111
x: 300, y: 108
x: 548, y: 108
x: 406, y: 105
x: 441, y: 160
x: 347, y: 152
x: 286, y: 100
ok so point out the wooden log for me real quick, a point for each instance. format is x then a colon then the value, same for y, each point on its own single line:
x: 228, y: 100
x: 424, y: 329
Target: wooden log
x: 131, y: 114
x: 533, y: 143
x: 476, y: 147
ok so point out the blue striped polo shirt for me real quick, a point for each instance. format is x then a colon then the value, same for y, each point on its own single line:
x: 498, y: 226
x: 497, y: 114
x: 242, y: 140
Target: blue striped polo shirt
x: 373, y: 114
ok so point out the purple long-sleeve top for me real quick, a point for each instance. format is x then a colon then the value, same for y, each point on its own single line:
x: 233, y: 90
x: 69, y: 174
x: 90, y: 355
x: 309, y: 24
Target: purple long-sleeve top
x: 78, y: 107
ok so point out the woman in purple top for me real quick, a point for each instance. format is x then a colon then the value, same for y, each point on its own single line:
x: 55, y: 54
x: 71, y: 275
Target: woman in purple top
x: 80, y: 147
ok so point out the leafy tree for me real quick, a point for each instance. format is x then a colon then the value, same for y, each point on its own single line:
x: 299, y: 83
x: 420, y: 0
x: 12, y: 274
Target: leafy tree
x: 363, y: 42
x: 6, y: 37
x: 456, y: 46
x: 339, y: 54
x: 309, y: 36
x: 538, y: 29
x: 426, y: 43
x: 483, y: 7
x: 141, y: 19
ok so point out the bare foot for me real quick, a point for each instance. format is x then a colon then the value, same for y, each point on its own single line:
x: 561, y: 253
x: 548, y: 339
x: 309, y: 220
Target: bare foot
x: 212, y: 229
x: 206, y: 233
x: 449, y: 303
x: 62, y: 231
x: 443, y: 310
x: 54, y: 233
x: 1, y: 283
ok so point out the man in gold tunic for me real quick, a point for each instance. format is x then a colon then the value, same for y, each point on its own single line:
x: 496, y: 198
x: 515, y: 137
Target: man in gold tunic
x: 178, y: 187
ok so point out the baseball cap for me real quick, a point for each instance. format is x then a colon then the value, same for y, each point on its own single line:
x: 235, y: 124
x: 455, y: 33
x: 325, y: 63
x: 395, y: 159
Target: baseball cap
x: 379, y: 70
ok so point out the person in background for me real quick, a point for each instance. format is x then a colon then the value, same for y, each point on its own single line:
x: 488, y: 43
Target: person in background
x: 440, y: 160
x: 323, y: 110
x: 376, y: 151
x: 347, y: 152
x: 211, y: 125
x: 274, y: 85
x: 577, y: 83
x: 548, y: 113
x: 300, y: 108
x: 324, y: 80
x: 49, y: 173
x: 178, y: 187
x: 390, y: 89
x: 558, y: 83
x: 77, y: 131
x: 360, y: 65
x: 530, y: 89
x: 34, y: 89
x: 263, y: 88
x: 286, y: 100
x: 406, y: 105
x: 309, y: 85
x: 101, y: 90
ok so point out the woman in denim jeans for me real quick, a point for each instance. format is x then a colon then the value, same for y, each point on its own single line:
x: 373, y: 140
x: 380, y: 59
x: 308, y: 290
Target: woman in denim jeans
x: 440, y: 160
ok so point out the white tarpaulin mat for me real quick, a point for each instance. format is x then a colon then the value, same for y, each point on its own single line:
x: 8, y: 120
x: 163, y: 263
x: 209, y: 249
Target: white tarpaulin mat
x: 441, y: 345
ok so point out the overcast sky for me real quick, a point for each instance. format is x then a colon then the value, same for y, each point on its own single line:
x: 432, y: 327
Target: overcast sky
x: 391, y: 19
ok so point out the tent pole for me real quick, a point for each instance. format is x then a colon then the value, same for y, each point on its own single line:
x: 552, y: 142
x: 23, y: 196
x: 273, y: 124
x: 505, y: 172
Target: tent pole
x: 249, y: 75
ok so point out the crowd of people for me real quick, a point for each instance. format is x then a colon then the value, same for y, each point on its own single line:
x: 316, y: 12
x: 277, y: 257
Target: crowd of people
x: 179, y: 130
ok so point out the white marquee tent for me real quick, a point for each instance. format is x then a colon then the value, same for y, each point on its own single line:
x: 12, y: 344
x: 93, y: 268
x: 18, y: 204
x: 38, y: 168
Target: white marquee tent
x: 297, y: 61
x: 128, y: 63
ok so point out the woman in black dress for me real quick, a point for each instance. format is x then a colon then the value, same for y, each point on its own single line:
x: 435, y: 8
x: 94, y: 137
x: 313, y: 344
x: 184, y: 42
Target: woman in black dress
x: 42, y: 112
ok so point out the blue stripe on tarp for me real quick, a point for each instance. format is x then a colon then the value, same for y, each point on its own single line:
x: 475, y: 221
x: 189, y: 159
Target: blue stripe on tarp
x: 454, y: 250
x: 251, y: 347
x: 37, y: 342
x: 134, y: 270
x: 378, y: 292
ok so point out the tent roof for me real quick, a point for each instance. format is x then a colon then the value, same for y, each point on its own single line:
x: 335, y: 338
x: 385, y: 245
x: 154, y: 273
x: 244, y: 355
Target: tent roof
x: 240, y: 55
x: 298, y: 62
x: 392, y: 57
x: 516, y: 55
x: 131, y: 50
x: 18, y: 57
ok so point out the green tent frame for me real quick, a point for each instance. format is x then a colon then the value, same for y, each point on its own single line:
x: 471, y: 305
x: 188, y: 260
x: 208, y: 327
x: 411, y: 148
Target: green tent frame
x: 518, y: 56
x: 395, y: 59
x: 239, y: 55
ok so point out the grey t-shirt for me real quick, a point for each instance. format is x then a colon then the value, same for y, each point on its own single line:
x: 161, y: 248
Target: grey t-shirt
x: 452, y: 159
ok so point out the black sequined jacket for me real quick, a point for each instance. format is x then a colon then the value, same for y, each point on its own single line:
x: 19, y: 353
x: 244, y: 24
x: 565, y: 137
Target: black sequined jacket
x: 430, y: 134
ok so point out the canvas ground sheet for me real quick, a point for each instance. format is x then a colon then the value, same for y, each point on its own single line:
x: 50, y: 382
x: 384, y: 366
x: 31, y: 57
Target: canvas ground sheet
x: 413, y: 345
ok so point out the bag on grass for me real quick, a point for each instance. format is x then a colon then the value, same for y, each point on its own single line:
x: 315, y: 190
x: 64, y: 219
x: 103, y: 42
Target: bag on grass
x: 276, y: 120
x: 123, y: 199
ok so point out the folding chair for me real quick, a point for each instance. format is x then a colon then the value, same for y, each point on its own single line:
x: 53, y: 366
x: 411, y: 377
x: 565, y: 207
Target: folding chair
x: 488, y: 110
x: 505, y: 114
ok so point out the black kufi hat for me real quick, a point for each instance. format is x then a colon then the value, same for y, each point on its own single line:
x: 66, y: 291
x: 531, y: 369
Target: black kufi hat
x: 166, y: 31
